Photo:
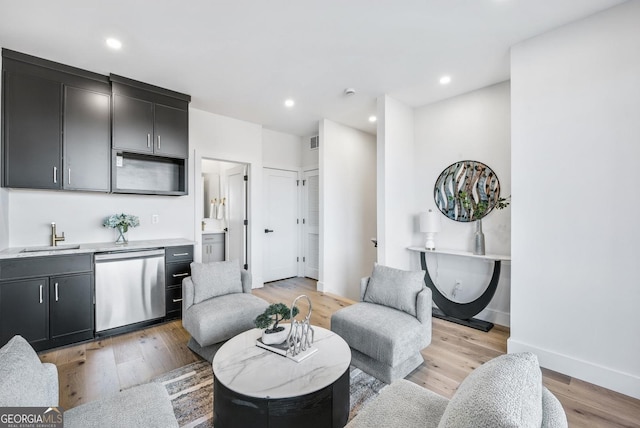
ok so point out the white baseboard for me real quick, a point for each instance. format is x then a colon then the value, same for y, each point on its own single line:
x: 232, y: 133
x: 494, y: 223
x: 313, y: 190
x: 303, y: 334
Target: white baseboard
x: 320, y: 286
x: 624, y: 383
x: 495, y: 316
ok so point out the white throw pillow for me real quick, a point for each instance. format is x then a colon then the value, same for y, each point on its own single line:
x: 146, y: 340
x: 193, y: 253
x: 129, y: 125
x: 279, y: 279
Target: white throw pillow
x: 395, y: 288
x: 503, y: 392
x: 215, y: 279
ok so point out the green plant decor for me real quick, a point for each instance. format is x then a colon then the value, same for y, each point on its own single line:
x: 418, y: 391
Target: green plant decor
x: 479, y: 209
x: 275, y: 313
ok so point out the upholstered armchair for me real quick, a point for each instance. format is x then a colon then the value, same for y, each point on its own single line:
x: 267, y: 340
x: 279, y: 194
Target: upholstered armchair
x: 27, y: 382
x: 391, y: 324
x: 217, y: 305
x: 504, y: 392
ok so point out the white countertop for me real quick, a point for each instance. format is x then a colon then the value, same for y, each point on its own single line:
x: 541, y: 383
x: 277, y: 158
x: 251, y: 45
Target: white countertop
x: 98, y: 247
x: 492, y: 257
x: 245, y: 368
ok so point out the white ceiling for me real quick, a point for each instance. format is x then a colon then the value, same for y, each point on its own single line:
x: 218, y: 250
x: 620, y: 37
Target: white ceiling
x: 243, y: 58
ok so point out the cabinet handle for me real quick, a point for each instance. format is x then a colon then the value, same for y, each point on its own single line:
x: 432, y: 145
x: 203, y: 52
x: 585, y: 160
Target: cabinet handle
x: 69, y: 176
x: 149, y: 140
x: 158, y: 142
x: 177, y: 275
x: 40, y: 293
x: 180, y: 254
x: 56, y: 288
x: 55, y: 174
x: 177, y: 300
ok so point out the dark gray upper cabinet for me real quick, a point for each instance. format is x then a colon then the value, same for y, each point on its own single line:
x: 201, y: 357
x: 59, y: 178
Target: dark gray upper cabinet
x: 172, y: 135
x: 86, y: 141
x: 32, y: 131
x: 56, y: 125
x: 149, y: 120
x: 132, y: 124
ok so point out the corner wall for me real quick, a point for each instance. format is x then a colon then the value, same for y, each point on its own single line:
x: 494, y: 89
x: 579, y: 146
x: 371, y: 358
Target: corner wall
x: 474, y: 126
x: 395, y: 182
x: 575, y: 109
x: 223, y: 138
x: 347, y: 208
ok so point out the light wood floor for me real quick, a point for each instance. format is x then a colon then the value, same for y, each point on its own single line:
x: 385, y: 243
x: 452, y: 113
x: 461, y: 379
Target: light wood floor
x: 90, y: 371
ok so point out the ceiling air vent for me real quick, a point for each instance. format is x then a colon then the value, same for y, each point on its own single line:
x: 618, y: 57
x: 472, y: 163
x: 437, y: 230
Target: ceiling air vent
x: 314, y: 142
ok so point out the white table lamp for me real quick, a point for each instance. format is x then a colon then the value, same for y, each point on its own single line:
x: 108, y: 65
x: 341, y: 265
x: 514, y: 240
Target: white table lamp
x: 430, y: 225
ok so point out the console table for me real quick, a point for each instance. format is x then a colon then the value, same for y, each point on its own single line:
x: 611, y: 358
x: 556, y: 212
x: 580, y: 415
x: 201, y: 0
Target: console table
x: 462, y: 313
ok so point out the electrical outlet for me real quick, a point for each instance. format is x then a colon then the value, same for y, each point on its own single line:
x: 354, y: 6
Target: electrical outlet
x: 155, y: 219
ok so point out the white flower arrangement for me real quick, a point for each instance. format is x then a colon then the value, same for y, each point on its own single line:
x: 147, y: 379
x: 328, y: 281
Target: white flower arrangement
x: 121, y: 221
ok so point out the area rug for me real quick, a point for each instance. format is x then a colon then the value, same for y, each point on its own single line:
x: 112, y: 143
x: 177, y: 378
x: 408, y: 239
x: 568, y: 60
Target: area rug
x: 190, y: 389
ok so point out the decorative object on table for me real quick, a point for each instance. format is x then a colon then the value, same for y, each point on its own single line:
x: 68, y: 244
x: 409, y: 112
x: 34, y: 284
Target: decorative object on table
x: 468, y: 191
x: 122, y: 223
x: 273, y: 333
x: 430, y: 225
x: 478, y: 240
x: 220, y: 209
x: 300, y: 336
x: 213, y: 209
x: 297, y: 344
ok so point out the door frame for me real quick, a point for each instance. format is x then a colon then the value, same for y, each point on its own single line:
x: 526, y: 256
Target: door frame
x: 198, y: 201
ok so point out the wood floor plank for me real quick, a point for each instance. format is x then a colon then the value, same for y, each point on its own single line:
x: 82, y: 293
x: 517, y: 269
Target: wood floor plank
x: 96, y: 369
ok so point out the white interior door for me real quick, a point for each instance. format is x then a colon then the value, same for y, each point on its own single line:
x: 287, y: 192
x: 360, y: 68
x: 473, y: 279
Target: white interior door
x: 311, y: 223
x: 280, y: 210
x: 236, y: 212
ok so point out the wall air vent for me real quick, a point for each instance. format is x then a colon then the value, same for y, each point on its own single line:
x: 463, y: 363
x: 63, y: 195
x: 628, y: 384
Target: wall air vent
x: 314, y: 142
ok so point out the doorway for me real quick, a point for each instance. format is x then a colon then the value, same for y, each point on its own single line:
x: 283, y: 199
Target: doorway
x: 225, y: 211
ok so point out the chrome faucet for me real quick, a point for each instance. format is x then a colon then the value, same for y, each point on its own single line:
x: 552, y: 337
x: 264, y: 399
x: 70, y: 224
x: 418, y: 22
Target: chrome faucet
x: 54, y: 237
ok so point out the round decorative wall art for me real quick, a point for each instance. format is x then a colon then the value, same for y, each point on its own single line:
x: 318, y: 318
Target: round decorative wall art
x: 467, y: 191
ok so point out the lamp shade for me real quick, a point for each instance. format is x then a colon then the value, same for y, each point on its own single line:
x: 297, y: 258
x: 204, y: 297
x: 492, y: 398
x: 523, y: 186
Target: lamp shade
x: 429, y: 222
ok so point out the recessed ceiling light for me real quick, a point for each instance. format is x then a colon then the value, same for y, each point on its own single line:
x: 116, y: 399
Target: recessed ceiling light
x: 289, y: 102
x: 114, y: 43
x: 445, y: 80
x: 372, y: 119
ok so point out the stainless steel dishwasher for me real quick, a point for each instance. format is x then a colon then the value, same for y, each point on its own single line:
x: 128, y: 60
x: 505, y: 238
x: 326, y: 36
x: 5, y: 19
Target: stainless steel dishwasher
x: 129, y: 287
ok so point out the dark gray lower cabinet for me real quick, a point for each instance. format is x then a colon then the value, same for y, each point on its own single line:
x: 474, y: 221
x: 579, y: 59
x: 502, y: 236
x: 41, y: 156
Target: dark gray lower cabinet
x: 54, y: 307
x: 71, y: 307
x: 178, y: 266
x: 24, y: 310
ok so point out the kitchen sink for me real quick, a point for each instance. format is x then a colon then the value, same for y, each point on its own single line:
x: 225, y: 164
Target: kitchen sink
x: 50, y: 248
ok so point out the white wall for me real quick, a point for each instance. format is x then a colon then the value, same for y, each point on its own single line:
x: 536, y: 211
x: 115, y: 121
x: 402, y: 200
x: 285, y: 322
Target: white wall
x: 309, y: 157
x: 281, y: 151
x: 347, y: 208
x: 575, y: 289
x: 80, y: 214
x: 395, y: 182
x: 218, y: 137
x: 473, y: 126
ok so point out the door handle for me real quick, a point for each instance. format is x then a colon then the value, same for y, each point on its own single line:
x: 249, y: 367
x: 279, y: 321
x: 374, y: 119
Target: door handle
x: 55, y: 174
x: 178, y: 275
x: 158, y: 142
x: 56, y: 287
x: 268, y: 231
x: 41, y: 293
x: 149, y: 140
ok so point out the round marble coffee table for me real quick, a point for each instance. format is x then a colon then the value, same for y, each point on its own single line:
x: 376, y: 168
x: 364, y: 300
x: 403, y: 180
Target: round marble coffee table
x: 254, y: 387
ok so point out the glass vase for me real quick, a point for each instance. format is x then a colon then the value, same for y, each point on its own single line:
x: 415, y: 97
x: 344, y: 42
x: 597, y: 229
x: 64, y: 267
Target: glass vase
x: 122, y: 235
x: 478, y: 247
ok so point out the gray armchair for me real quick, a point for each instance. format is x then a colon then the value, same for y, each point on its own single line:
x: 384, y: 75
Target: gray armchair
x: 26, y: 382
x: 217, y: 305
x: 391, y: 324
